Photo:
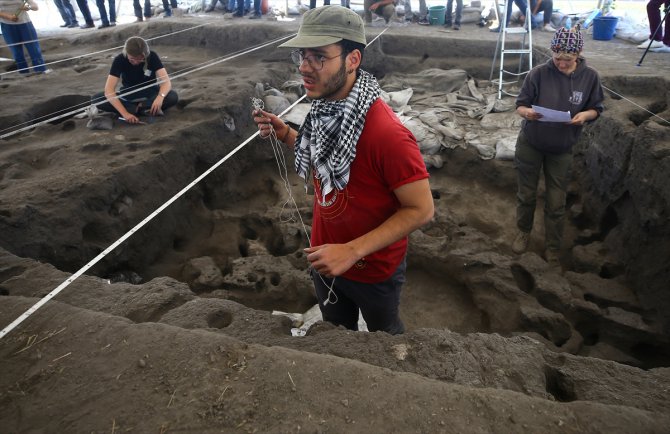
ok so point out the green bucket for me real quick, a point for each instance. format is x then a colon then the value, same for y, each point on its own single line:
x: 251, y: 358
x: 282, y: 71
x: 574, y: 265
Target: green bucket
x: 436, y: 15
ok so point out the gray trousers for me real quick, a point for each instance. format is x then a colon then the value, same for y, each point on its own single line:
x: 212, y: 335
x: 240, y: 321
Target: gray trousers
x: 528, y: 162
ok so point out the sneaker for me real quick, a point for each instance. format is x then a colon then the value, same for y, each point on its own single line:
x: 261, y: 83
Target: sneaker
x: 73, y: 26
x: 424, y: 22
x: 112, y: 24
x: 654, y: 44
x: 87, y: 26
x: 139, y: 20
x: 548, y: 28
x: 520, y: 243
x: 254, y: 17
x: 104, y: 26
x: 447, y: 24
x: 661, y: 49
x: 553, y: 258
x: 238, y: 15
x: 209, y: 8
x: 457, y: 27
x: 65, y: 25
x: 495, y: 29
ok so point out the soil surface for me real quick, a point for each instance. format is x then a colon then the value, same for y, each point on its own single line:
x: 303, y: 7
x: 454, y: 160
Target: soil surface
x: 178, y: 329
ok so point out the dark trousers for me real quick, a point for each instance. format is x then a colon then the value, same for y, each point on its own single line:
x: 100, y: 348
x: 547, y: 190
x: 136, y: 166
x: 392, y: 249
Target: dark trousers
x: 130, y: 102
x: 138, y: 8
x: 378, y: 302
x: 85, y: 11
x: 557, y: 168
x: 654, y: 15
x: 103, y: 12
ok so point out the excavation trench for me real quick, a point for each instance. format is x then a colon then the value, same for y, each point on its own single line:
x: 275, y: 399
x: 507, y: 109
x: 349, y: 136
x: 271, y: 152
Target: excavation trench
x: 238, y: 236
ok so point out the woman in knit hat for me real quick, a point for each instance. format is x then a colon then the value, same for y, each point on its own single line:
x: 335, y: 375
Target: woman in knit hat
x: 564, y: 83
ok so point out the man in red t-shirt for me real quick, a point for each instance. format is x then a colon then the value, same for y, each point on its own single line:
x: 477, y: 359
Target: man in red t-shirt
x: 371, y: 185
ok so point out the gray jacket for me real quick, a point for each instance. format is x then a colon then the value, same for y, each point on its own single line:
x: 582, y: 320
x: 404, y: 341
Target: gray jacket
x: 548, y: 87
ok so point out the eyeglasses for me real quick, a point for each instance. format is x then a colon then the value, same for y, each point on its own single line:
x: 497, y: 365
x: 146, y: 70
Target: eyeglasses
x: 313, y: 60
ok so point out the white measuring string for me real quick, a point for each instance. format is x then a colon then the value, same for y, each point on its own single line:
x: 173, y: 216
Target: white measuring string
x: 83, y: 106
x: 103, y: 51
x: 127, y: 235
x: 137, y: 227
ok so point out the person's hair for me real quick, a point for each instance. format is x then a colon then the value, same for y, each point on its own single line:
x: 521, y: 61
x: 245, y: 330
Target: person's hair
x: 136, y: 46
x: 348, y: 46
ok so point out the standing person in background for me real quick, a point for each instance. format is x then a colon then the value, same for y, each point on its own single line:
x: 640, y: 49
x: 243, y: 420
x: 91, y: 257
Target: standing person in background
x: 564, y: 83
x: 106, y: 21
x: 137, y: 67
x: 67, y: 13
x: 137, y: 7
x: 660, y: 40
x: 370, y: 182
x: 457, y: 18
x: 19, y: 33
x: 168, y: 5
x: 257, y: 11
x: 86, y: 12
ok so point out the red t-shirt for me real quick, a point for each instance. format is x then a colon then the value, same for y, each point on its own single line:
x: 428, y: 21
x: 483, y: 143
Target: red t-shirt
x: 387, y: 157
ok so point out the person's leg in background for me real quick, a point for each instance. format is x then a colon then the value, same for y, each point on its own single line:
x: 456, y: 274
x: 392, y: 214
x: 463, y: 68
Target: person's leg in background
x: 166, y: 8
x: 459, y: 14
x: 70, y: 11
x: 28, y: 33
x: 557, y: 172
x: 63, y: 13
x: 12, y: 37
x: 86, y: 13
x: 103, y: 13
x: 257, y: 10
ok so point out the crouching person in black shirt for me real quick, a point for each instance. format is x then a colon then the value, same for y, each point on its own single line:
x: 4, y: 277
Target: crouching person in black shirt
x: 145, y: 85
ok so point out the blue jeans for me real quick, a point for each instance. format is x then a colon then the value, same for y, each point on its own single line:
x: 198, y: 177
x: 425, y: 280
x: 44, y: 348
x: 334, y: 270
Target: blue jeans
x: 103, y: 12
x: 66, y: 12
x: 16, y: 37
x: 138, y: 8
x: 232, y: 7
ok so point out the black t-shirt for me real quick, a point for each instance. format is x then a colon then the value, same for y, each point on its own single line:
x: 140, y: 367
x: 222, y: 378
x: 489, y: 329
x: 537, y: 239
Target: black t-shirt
x: 133, y: 75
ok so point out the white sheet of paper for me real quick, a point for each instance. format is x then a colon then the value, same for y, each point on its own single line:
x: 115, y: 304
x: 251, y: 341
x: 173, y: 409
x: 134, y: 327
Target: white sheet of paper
x: 549, y: 115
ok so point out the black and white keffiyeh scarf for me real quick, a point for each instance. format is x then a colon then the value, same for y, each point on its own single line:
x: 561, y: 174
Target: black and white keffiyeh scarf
x: 328, y: 136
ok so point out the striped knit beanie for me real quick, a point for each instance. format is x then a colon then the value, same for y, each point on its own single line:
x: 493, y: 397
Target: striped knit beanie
x: 567, y: 41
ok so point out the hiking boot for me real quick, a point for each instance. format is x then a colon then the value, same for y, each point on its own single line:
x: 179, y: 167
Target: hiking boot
x: 520, y: 243
x: 553, y: 258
